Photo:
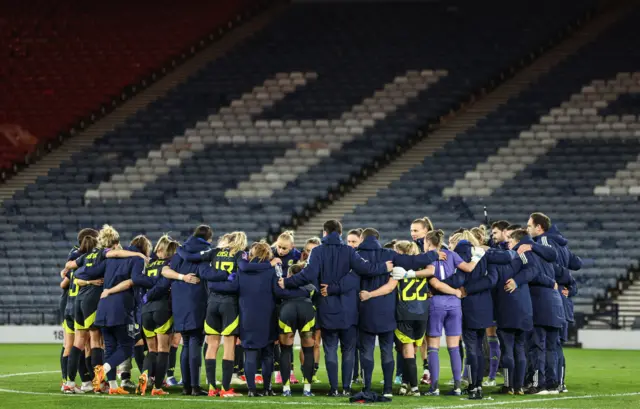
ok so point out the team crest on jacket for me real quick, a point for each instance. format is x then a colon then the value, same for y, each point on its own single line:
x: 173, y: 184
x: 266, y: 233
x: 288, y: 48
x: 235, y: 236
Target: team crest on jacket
x: 290, y: 263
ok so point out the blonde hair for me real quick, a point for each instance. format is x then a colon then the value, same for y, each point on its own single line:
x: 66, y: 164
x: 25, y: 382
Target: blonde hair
x: 236, y: 241
x: 480, y: 233
x: 143, y: 244
x: 313, y: 240
x: 166, y: 245
x: 286, y: 236
x: 261, y: 251
x: 108, y: 237
x: 425, y: 222
x: 471, y: 238
x: 407, y: 247
x: 223, y: 241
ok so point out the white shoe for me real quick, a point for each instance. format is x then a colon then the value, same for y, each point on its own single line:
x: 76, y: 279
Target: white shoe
x: 86, y: 387
x: 542, y: 392
x: 450, y: 382
x: 71, y: 389
x: 552, y: 391
x: 489, y: 382
x: 236, y: 380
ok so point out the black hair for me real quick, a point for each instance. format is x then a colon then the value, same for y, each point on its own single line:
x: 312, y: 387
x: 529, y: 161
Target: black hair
x: 203, y: 232
x: 331, y: 226
x: 369, y: 231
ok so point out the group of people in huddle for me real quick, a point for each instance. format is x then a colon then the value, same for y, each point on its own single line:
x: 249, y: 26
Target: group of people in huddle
x: 512, y: 288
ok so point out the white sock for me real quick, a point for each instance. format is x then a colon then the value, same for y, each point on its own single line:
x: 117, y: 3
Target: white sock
x: 87, y: 383
x: 286, y: 388
x: 113, y: 384
x: 107, y: 368
x: 71, y: 384
x: 307, y: 387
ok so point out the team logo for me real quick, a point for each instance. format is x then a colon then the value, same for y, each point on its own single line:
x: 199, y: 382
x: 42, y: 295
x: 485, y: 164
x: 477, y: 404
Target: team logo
x: 290, y: 262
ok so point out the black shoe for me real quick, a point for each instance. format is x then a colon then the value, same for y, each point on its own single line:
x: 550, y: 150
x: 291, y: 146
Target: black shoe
x: 186, y: 391
x: 346, y: 392
x: 268, y: 392
x: 518, y: 391
x: 333, y: 393
x: 252, y: 394
x: 505, y: 390
x: 197, y: 391
x: 477, y: 394
x: 536, y: 391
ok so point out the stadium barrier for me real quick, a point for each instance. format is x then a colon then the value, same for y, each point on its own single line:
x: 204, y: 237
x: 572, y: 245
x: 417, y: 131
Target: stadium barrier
x: 609, y: 339
x: 54, y: 334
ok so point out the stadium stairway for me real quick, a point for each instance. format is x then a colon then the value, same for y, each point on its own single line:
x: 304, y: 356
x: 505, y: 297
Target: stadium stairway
x: 458, y: 123
x: 142, y: 100
x: 629, y: 301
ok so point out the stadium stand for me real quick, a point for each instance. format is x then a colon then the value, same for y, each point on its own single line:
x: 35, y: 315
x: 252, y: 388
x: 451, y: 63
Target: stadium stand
x: 72, y: 60
x: 268, y: 130
x: 567, y: 147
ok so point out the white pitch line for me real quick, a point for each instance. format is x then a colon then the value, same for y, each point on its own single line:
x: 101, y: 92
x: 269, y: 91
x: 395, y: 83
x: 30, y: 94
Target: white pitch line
x: 307, y: 403
x: 519, y: 402
x: 310, y: 402
x: 11, y: 375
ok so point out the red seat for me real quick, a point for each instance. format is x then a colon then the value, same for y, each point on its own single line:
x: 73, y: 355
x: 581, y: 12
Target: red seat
x: 67, y: 57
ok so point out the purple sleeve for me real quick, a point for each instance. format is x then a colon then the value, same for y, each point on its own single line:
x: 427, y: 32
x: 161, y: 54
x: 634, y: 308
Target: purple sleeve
x: 455, y: 258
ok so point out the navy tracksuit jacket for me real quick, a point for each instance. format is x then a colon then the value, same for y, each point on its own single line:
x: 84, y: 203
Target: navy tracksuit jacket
x: 548, y: 309
x: 329, y: 263
x: 117, y: 309
x: 567, y: 261
x: 377, y: 315
x: 257, y: 289
x: 477, y: 307
x: 290, y: 259
x: 188, y: 301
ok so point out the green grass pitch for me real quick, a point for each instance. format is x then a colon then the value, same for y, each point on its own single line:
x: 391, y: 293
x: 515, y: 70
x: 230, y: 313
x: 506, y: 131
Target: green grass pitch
x: 30, y: 377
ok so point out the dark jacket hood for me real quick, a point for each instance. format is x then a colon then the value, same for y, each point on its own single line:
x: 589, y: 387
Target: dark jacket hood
x: 332, y: 239
x: 196, y: 245
x: 370, y: 243
x: 554, y: 234
x: 463, y: 248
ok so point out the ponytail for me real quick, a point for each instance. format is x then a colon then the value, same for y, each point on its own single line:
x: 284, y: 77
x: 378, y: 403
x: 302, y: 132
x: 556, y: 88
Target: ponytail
x: 285, y: 236
x: 143, y: 244
x: 87, y: 244
x: 435, y: 237
x: 480, y: 233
